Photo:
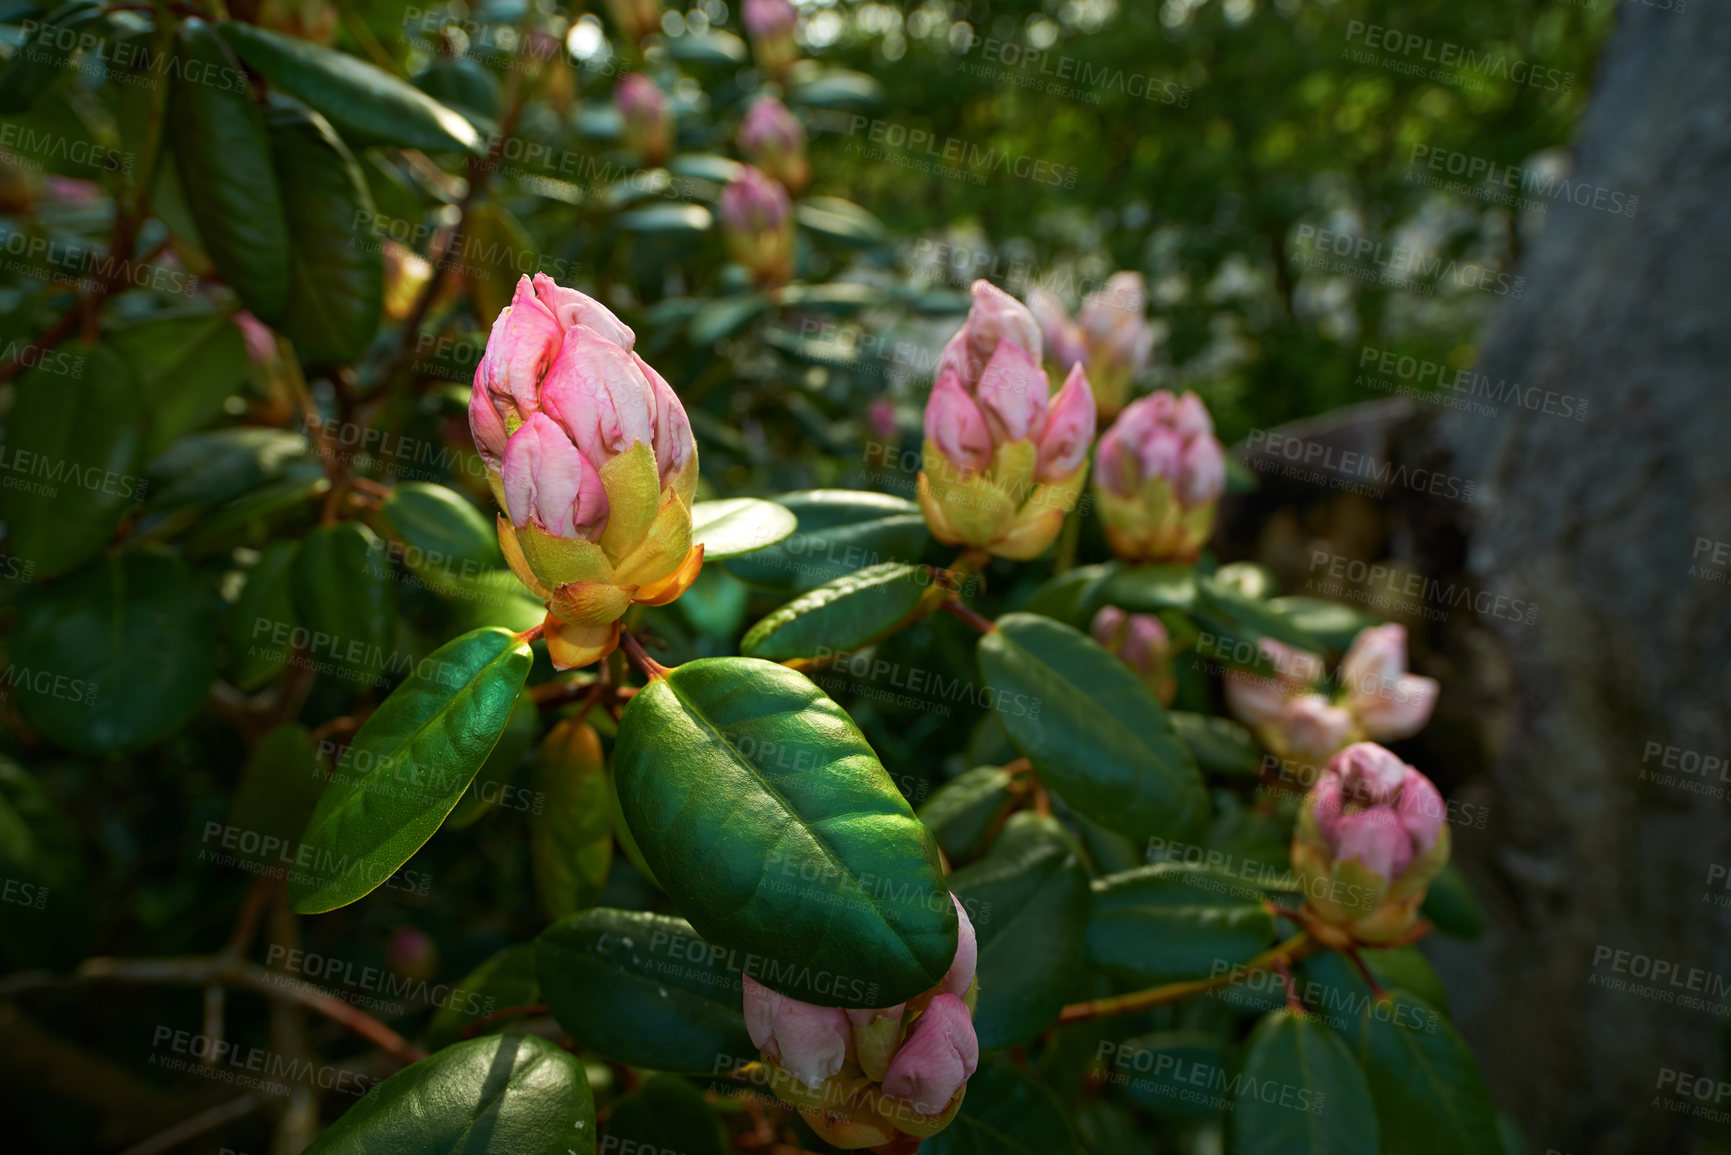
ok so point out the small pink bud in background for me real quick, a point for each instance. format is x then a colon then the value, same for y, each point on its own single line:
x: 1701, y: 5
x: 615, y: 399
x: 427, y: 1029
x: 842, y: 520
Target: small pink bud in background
x: 1388, y: 702
x: 1374, y: 839
x: 1313, y: 728
x: 757, y: 221
x: 772, y: 139
x: 937, y: 1058
x: 770, y: 24
x: 1369, y: 773
x: 635, y: 19
x: 1259, y: 697
x: 1159, y: 474
x: 1066, y: 345
x: 881, y: 419
x: 809, y: 1042
x: 412, y: 954
x: 646, y: 117
x: 1141, y: 642
x: 1118, y: 337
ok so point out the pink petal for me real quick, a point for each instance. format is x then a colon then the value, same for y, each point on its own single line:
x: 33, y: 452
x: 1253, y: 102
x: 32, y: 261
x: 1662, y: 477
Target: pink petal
x: 1377, y: 656
x: 525, y: 340
x: 674, y: 445
x: 1012, y: 394
x: 596, y: 391
x: 1117, y: 469
x: 1326, y: 805
x: 1376, y: 839
x: 1069, y: 428
x: 1398, y: 710
x: 1160, y: 453
x: 1369, y: 773
x: 1314, y: 728
x: 810, y: 1042
x: 961, y: 973
x: 1422, y: 811
x: 486, y: 426
x: 1145, y: 644
x: 936, y: 1059
x: 550, y: 484
x: 572, y: 308
x: 1190, y: 417
x: 1201, y: 473
x: 956, y: 425
x: 1106, y: 625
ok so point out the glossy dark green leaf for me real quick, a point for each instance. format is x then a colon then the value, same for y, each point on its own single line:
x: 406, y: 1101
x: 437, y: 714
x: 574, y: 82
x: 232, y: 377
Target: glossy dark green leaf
x: 1430, y: 1097
x: 1329, y: 622
x: 1452, y: 906
x: 668, y: 218
x: 738, y: 525
x: 336, y: 282
x: 1007, y: 1111
x: 43, y: 56
x: 263, y: 618
x: 116, y: 656
x: 494, y: 784
x: 187, y: 367
x: 1091, y: 728
x: 664, y: 1114
x: 645, y: 990
x: 367, y: 104
x: 1223, y: 609
x: 768, y: 819
x: 1028, y: 900
x: 442, y: 532
x: 516, y: 1093
x: 465, y: 85
x: 1175, y: 1074
x: 712, y: 47
x: 840, y: 220
x: 962, y: 811
x: 278, y: 789
x: 346, y: 600
x: 205, y: 469
x: 1333, y: 988
x: 1299, y: 1092
x: 717, y: 320
x: 840, y: 531
x: 708, y: 166
x: 505, y: 980
x: 850, y: 612
x: 1146, y: 589
x: 1219, y: 745
x: 69, y: 460
x: 840, y: 88
x: 570, y: 825
x: 1170, y: 922
x: 407, y: 766
x: 222, y: 153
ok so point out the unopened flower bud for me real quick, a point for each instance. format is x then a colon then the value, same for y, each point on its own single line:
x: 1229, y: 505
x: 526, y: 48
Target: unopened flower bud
x: 757, y: 221
x: 772, y: 139
x: 770, y: 25
x: 1139, y: 641
x: 590, y: 454
x: 1386, y: 702
x: 1370, y: 838
x: 1120, y: 341
x: 937, y: 1059
x: 1003, y: 461
x: 1159, y: 475
x: 1066, y: 344
x: 412, y: 954
x: 646, y: 117
x: 809, y: 1042
x: 635, y: 19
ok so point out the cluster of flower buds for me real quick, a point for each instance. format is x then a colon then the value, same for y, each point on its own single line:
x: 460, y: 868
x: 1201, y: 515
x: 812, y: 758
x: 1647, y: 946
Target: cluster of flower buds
x: 634, y: 19
x: 645, y: 116
x: 1004, y: 460
x: 1110, y: 337
x: 1139, y: 641
x: 771, y: 138
x: 770, y: 24
x: 1158, y: 477
x: 757, y: 220
x: 1377, y: 699
x: 1370, y: 838
x: 591, y: 455
x: 873, y: 1077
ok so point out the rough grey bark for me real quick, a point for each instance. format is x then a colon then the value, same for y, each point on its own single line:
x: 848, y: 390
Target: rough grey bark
x: 1600, y: 523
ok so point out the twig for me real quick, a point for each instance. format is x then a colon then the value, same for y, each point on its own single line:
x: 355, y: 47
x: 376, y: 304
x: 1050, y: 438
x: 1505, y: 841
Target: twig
x: 639, y: 657
x: 476, y: 1027
x: 1294, y: 948
x: 167, y: 1140
x: 979, y: 621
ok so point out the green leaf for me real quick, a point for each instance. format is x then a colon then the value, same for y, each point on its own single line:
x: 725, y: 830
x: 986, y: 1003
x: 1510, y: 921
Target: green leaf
x: 1430, y: 1097
x: 1174, y: 1074
x: 336, y: 280
x: 277, y: 793
x: 571, y: 831
x: 115, y: 657
x: 1299, y: 1092
x: 1091, y: 728
x: 840, y: 88
x: 840, y: 220
x: 222, y: 153
x: 717, y: 320
x: 343, y: 592
x: 840, y: 531
x: 1333, y: 986
x: 515, y: 1093
x: 843, y: 297
x: 1006, y: 1112
x: 71, y: 446
x: 1329, y: 622
x: 1171, y: 922
x: 671, y: 218
x: 1452, y: 906
x: 264, y: 611
x: 205, y: 469
x: 768, y: 819
x: 1219, y: 745
x: 962, y: 811
x: 188, y: 366
x: 463, y: 84
x: 738, y: 525
x: 848, y: 613
x: 505, y: 980
x: 709, y: 166
x: 1222, y: 608
x: 1028, y: 900
x: 40, y: 60
x: 367, y: 104
x: 645, y: 990
x: 718, y: 48
x: 1147, y: 589
x: 665, y: 1114
x: 493, y: 784
x: 407, y: 766
x: 444, y: 535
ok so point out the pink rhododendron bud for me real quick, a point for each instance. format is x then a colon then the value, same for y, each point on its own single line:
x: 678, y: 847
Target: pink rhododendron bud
x: 757, y: 222
x: 1312, y: 728
x: 772, y: 139
x: 770, y: 25
x: 1004, y: 461
x: 412, y: 954
x: 810, y: 1042
x: 646, y: 117
x: 590, y: 454
x: 1387, y: 702
x: 634, y: 19
x: 1370, y: 838
x: 1259, y: 697
x: 1139, y: 641
x: 938, y: 1058
x: 1118, y: 338
x: 960, y: 976
x: 881, y: 419
x: 1159, y: 475
x: 1066, y: 344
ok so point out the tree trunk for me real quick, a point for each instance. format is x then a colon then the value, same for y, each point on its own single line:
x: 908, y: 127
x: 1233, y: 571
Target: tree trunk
x: 1604, y: 836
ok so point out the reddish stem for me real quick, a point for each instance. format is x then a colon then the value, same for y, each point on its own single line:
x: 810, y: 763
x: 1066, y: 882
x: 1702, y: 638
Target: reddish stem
x: 979, y: 621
